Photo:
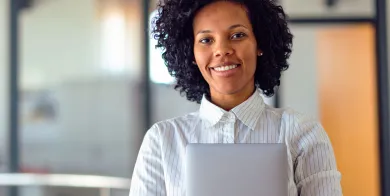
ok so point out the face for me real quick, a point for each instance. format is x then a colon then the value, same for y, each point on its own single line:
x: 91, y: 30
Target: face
x: 225, y: 48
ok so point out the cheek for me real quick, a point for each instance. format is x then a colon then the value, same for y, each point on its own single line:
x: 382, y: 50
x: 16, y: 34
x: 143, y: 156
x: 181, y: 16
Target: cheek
x: 249, y: 58
x: 250, y: 64
x: 199, y: 54
x: 254, y: 63
x: 202, y: 58
x: 202, y: 71
x: 253, y: 57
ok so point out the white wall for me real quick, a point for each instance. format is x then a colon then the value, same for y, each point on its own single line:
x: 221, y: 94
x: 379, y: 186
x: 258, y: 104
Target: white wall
x: 4, y: 87
x: 299, y: 83
x: 57, y: 42
x: 167, y: 103
x: 4, y: 64
x: 67, y: 39
x: 98, y: 128
x: 318, y: 8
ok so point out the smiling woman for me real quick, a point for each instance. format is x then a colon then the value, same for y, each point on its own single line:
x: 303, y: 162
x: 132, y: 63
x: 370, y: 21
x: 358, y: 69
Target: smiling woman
x: 177, y: 28
x: 224, y: 55
x: 226, y: 52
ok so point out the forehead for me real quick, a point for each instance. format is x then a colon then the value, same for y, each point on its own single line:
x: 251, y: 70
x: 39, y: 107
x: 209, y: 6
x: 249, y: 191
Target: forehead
x: 221, y: 14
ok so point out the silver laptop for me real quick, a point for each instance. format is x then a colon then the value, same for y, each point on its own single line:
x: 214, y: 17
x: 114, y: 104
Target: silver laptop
x: 236, y: 170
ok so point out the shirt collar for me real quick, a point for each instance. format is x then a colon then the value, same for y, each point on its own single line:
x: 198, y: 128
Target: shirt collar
x: 247, y: 112
x: 210, y: 112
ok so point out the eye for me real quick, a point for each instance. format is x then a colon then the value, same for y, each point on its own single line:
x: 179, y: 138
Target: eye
x: 205, y: 40
x: 238, y: 35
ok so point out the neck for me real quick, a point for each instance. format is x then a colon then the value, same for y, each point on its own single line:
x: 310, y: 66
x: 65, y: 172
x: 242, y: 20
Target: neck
x: 229, y: 101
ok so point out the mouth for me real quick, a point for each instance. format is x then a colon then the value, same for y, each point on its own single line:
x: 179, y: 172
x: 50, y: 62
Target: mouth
x: 225, y: 71
x: 224, y: 68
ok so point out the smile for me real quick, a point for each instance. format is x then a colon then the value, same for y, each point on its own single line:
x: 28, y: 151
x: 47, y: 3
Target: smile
x: 225, y: 68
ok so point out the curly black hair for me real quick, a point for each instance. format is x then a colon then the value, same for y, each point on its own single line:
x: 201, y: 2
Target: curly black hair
x: 174, y: 34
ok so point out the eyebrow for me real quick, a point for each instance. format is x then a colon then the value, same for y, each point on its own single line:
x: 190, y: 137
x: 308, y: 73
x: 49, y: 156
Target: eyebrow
x: 230, y: 28
x: 236, y: 26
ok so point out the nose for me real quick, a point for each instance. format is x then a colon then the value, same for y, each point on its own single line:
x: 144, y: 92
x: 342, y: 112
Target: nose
x: 223, y: 48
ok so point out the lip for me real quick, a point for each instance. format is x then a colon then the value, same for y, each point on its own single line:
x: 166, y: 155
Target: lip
x: 227, y: 73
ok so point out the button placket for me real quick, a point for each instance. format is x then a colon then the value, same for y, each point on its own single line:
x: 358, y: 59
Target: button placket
x: 230, y: 128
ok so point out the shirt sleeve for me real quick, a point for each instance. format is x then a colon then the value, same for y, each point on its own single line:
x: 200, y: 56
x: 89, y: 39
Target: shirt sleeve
x: 148, y: 174
x: 315, y: 166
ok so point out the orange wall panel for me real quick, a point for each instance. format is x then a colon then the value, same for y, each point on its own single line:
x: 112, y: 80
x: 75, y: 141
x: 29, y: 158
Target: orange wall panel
x: 348, y: 104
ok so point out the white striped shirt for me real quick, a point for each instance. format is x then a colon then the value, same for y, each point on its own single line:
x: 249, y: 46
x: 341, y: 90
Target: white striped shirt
x: 312, y: 166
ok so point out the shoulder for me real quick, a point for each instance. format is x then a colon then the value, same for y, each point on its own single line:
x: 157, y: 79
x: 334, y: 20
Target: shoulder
x: 297, y: 126
x: 178, y: 122
x: 290, y: 116
x: 302, y: 131
x: 174, y: 125
x: 297, y: 118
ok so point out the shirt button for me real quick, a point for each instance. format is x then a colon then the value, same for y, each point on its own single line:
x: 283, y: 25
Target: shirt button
x: 231, y: 116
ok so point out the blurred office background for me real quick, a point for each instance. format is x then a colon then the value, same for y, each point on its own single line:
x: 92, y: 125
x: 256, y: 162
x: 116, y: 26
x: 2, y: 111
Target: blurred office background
x: 90, y: 84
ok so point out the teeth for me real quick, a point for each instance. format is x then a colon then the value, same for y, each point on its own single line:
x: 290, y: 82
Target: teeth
x: 225, y: 68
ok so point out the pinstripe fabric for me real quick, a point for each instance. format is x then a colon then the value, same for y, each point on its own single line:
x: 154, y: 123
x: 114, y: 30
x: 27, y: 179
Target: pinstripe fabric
x: 159, y: 169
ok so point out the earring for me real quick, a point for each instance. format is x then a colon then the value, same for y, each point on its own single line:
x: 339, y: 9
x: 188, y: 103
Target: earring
x: 193, y: 62
x: 260, y: 54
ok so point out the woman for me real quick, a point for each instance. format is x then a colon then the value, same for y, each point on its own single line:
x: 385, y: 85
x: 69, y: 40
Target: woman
x: 223, y: 55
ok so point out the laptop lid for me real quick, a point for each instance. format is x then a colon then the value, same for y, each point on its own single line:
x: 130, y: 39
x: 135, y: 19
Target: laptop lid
x: 236, y: 170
